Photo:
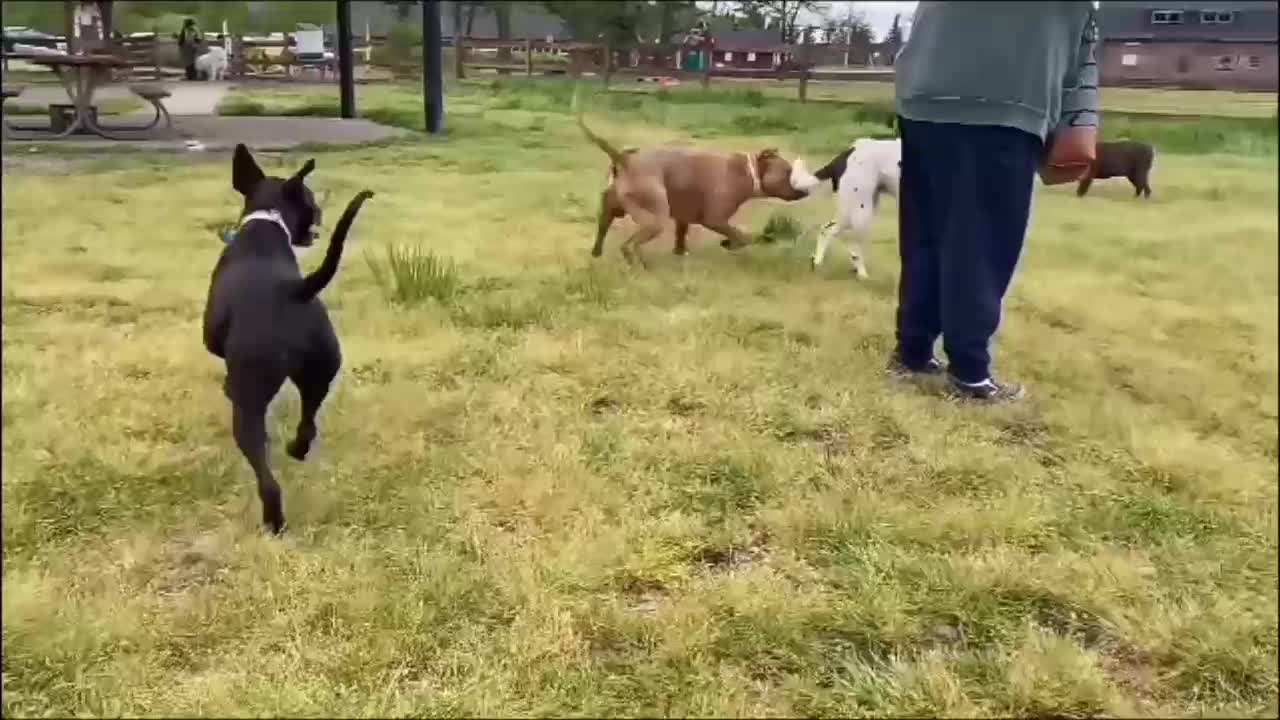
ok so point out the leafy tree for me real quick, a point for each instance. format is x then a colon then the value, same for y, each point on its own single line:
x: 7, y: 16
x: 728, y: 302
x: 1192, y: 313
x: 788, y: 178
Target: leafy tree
x: 36, y: 14
x: 617, y: 23
x: 894, y: 38
x: 780, y: 14
x: 850, y: 28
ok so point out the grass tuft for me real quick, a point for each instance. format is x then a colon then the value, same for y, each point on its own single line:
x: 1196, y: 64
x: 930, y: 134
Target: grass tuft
x: 409, y: 275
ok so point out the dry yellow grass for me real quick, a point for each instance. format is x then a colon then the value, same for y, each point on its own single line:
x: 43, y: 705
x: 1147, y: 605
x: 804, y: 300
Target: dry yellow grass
x: 687, y: 492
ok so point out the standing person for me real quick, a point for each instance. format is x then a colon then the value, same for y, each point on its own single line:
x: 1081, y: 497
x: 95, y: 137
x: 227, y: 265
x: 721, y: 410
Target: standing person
x: 979, y: 87
x: 190, y: 40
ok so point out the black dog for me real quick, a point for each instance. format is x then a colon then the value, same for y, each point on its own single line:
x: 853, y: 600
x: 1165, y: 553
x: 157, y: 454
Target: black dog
x: 1128, y: 159
x: 264, y: 319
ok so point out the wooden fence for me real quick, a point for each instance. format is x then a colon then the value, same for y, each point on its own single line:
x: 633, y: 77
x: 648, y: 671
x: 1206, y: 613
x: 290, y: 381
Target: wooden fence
x: 640, y: 62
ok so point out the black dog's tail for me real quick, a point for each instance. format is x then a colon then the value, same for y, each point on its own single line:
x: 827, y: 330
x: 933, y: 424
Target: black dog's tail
x: 311, y: 285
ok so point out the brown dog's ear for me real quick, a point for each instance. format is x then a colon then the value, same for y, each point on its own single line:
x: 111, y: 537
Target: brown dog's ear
x: 245, y: 173
x: 768, y: 153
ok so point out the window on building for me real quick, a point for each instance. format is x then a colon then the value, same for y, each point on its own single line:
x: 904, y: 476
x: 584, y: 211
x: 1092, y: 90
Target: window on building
x: 751, y: 57
x: 1129, y: 60
x: 1254, y: 62
x: 1166, y: 17
x: 728, y: 57
x: 1216, y: 17
x: 1226, y: 62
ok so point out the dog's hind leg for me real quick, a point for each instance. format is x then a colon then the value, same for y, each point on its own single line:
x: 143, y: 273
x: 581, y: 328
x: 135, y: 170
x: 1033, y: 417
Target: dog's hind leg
x: 642, y: 235
x: 857, y: 248
x: 313, y: 382
x: 610, y: 210
x: 249, y: 426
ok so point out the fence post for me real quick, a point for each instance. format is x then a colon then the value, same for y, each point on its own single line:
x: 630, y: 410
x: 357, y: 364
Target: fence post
x: 804, y: 73
x: 528, y: 57
x: 607, y: 70
x: 459, y: 44
x: 706, y: 67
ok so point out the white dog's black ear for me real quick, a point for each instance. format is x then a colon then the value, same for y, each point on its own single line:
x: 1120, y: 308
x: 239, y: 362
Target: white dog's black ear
x: 245, y: 173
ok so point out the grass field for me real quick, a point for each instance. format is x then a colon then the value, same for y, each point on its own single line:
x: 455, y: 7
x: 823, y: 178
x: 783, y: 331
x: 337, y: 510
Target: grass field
x: 1116, y: 99
x: 576, y: 489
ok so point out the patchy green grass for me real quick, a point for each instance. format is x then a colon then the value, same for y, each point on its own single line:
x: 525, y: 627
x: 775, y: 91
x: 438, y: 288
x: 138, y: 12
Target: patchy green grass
x: 1212, y: 103
x: 732, y: 111
x: 578, y: 489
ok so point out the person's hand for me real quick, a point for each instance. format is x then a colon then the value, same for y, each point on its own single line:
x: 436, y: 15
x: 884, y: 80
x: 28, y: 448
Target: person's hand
x: 1069, y: 152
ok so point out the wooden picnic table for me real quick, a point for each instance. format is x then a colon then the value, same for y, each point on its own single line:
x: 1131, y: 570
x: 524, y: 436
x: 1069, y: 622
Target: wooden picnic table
x: 81, y: 75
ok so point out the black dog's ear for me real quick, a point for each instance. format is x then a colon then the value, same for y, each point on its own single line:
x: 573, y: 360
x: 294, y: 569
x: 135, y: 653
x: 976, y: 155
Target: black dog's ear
x: 304, y: 171
x: 293, y: 185
x: 245, y: 173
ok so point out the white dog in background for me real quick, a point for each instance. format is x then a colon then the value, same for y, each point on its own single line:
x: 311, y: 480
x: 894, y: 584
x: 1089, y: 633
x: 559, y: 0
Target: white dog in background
x: 859, y: 175
x: 213, y: 63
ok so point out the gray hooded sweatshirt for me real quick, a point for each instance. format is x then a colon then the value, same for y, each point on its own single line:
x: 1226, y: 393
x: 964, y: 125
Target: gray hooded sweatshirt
x: 1025, y: 65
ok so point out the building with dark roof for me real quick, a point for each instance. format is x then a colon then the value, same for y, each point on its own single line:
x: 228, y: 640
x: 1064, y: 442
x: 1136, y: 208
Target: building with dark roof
x: 1206, y: 45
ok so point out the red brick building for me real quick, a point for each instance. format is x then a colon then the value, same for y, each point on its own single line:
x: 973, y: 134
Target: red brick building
x: 1204, y: 45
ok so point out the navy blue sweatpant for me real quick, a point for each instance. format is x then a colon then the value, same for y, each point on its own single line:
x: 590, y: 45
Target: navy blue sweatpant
x: 964, y: 200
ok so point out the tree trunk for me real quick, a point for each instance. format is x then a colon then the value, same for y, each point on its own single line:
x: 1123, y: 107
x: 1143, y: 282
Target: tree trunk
x: 471, y: 17
x: 459, y: 44
x: 666, y: 22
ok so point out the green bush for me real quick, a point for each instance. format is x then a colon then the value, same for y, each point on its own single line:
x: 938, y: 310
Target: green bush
x: 781, y: 227
x: 409, y: 276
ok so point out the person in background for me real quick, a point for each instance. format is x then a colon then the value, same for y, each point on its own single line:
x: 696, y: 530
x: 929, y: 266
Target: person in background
x: 980, y: 86
x: 190, y: 40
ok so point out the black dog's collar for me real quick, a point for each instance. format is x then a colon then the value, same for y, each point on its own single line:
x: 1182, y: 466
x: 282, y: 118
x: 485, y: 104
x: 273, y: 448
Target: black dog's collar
x: 268, y: 216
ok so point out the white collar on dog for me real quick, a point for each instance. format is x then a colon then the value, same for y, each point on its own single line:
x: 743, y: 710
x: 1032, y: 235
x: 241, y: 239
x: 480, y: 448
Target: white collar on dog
x: 269, y: 216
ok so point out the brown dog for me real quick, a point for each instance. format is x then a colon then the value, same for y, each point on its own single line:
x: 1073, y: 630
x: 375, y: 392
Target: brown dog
x: 691, y: 186
x: 1128, y: 159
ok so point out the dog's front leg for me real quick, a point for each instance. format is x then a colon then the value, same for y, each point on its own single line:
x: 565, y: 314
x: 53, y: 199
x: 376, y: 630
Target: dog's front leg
x: 682, y: 233
x: 733, y: 237
x: 829, y: 232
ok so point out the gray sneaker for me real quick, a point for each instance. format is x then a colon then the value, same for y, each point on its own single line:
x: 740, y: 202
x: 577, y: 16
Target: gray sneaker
x: 988, y: 390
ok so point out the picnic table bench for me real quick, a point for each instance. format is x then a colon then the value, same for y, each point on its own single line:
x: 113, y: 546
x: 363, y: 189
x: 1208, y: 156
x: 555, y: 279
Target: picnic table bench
x: 81, y: 75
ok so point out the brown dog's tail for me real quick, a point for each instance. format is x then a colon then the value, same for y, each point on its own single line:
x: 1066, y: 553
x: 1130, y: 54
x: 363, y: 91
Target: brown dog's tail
x: 312, y: 284
x: 618, y: 157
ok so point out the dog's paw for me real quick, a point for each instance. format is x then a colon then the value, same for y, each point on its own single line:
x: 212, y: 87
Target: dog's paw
x: 297, y: 450
x: 363, y: 195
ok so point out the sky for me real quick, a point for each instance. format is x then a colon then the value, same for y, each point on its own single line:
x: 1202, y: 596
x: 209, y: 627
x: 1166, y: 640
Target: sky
x: 879, y: 14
